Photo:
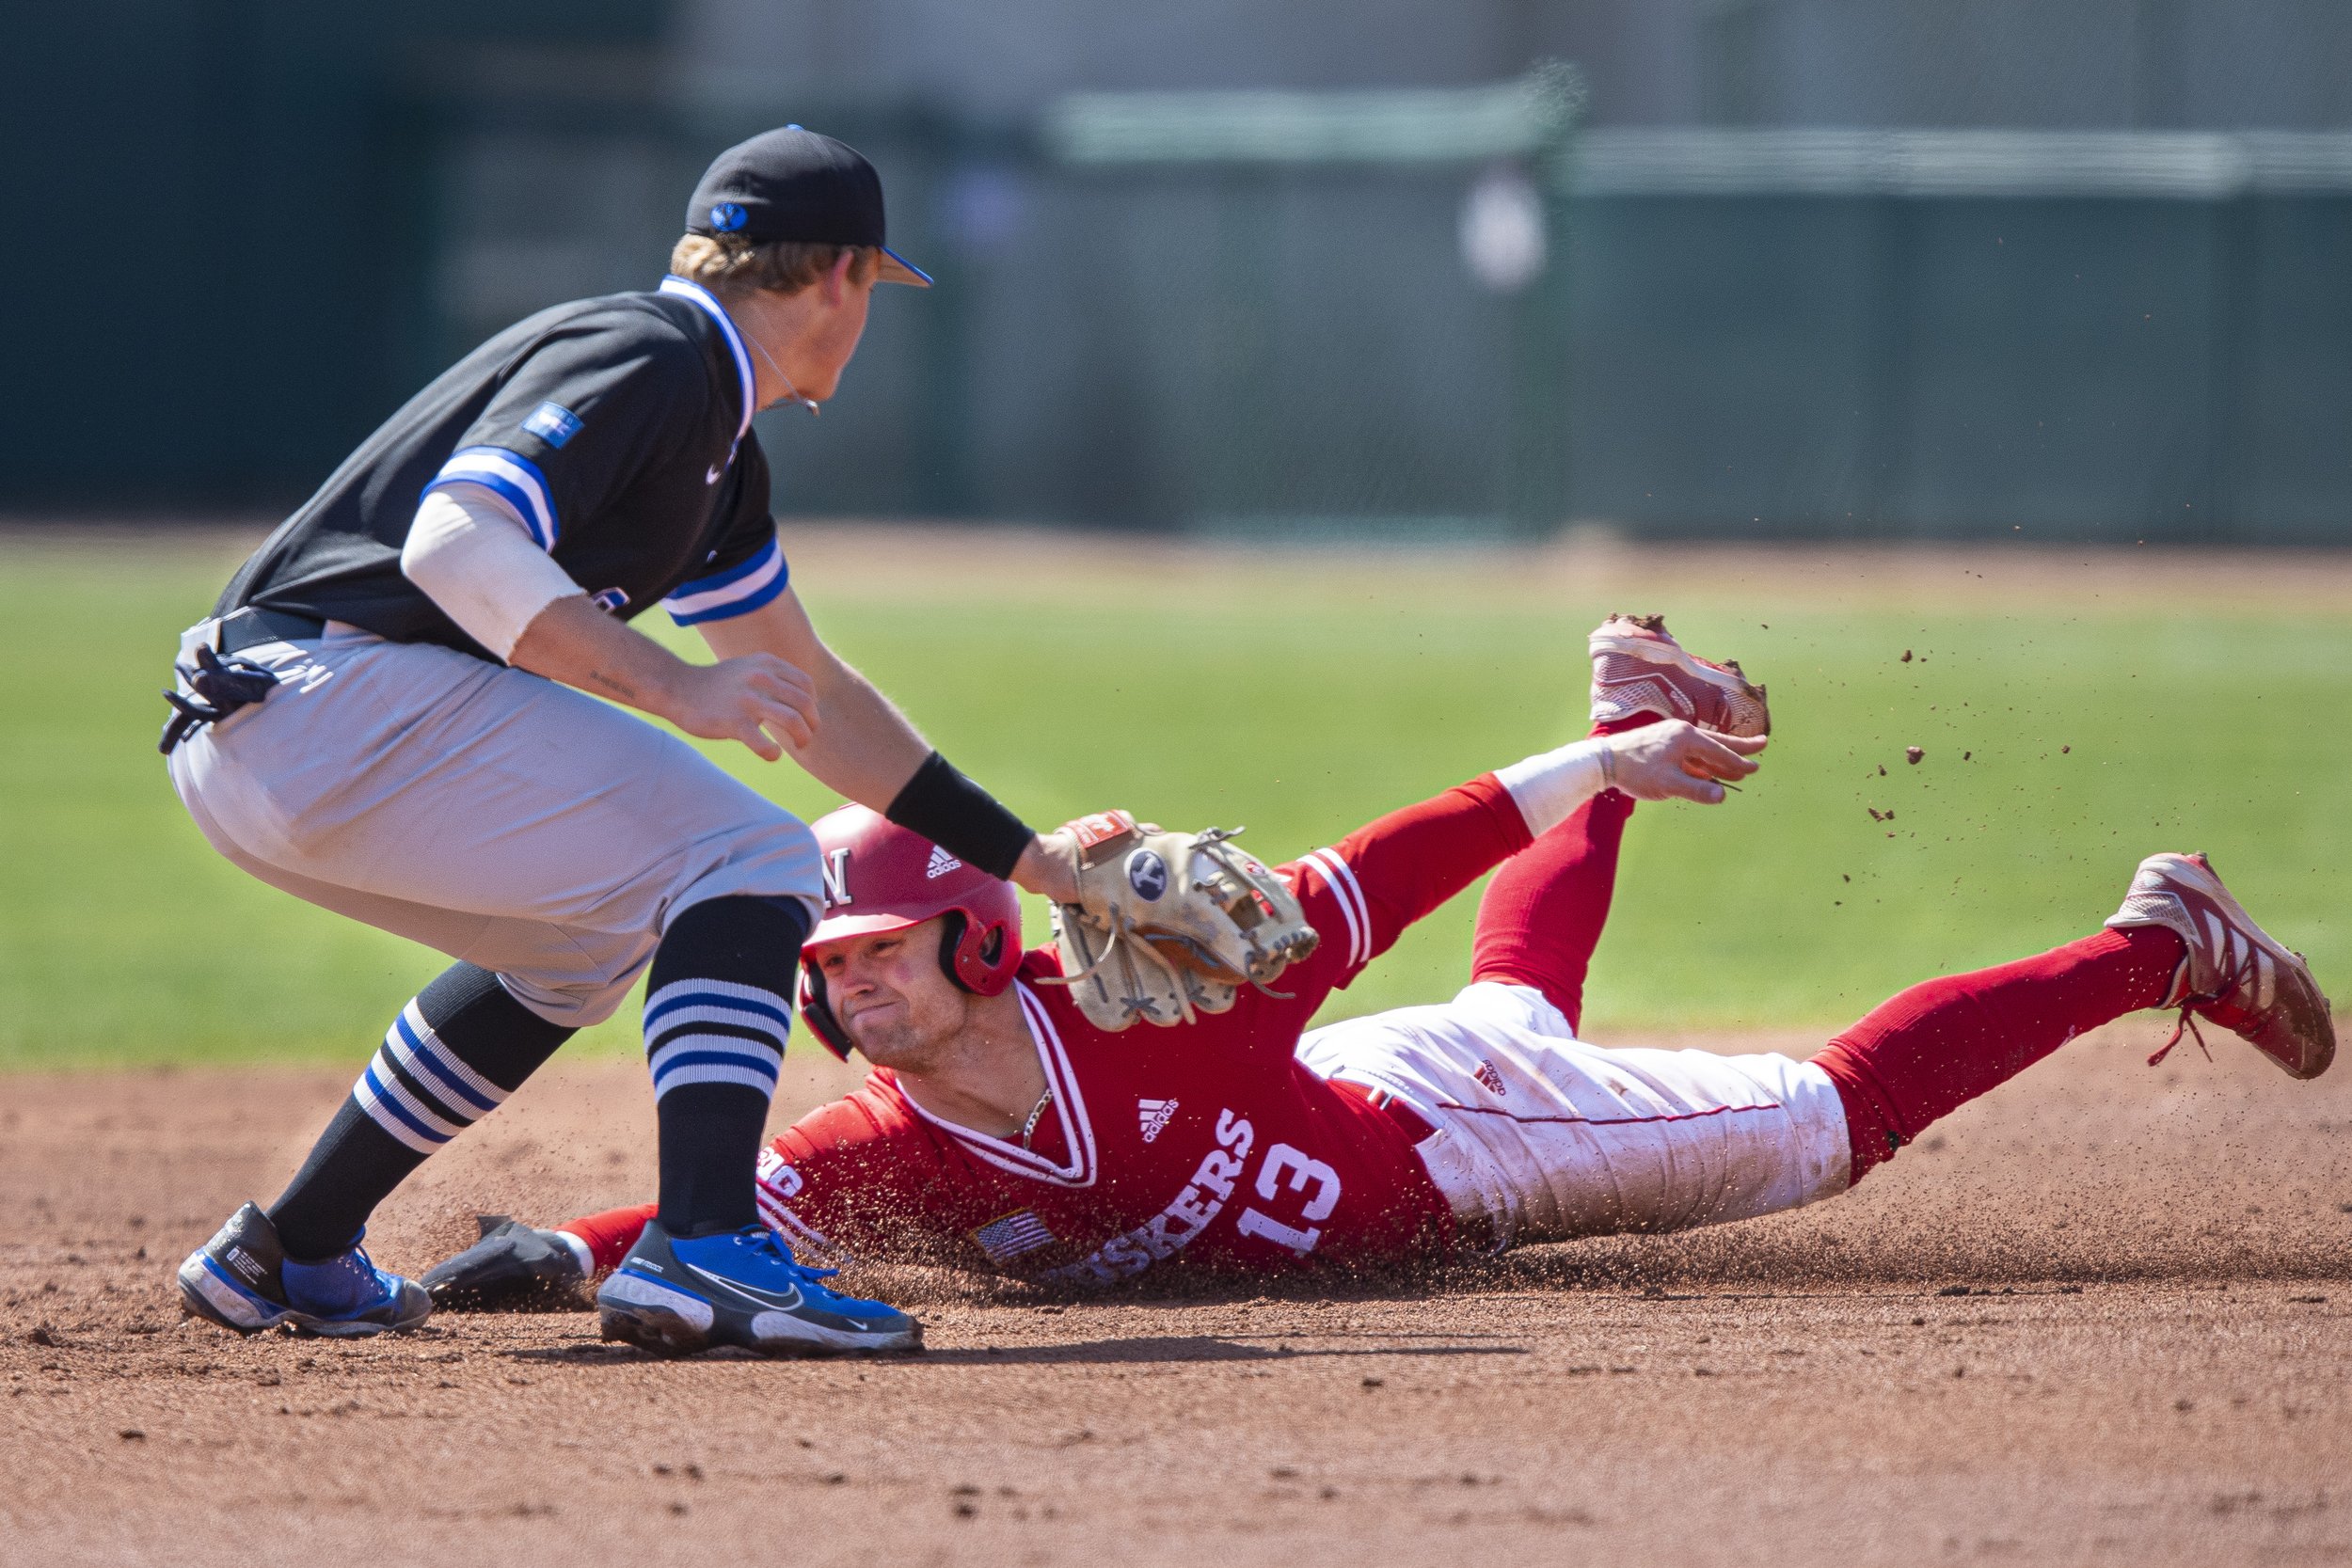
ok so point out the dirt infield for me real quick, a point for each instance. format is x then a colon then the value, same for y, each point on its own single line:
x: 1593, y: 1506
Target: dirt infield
x: 2104, y: 1315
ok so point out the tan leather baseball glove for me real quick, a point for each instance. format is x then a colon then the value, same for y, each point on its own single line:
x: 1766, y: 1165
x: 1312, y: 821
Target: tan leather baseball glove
x: 1170, y: 925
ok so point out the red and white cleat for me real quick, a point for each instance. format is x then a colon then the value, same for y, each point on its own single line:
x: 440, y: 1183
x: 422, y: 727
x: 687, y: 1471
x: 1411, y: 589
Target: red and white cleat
x: 2234, y: 976
x: 1639, y: 667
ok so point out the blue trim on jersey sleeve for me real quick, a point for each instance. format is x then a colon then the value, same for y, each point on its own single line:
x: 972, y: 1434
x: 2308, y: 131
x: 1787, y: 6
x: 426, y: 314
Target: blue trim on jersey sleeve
x: 729, y: 578
x: 512, y: 478
x: 738, y: 591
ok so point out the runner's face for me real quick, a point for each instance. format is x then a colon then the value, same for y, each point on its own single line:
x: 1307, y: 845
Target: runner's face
x: 887, y: 990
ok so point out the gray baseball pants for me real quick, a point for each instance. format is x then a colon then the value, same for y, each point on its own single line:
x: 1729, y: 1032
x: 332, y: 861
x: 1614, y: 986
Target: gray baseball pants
x: 480, y: 810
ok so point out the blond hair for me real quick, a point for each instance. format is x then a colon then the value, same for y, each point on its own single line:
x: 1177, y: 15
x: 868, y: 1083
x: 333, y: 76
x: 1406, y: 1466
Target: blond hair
x: 729, y: 264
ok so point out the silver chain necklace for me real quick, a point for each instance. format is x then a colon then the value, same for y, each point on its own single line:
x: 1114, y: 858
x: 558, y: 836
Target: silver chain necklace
x: 809, y: 403
x: 1037, y: 1113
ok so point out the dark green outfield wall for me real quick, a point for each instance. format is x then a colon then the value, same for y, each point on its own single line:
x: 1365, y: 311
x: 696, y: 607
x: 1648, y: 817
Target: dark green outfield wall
x: 214, y: 232
x: 2110, y: 368
x: 234, y: 234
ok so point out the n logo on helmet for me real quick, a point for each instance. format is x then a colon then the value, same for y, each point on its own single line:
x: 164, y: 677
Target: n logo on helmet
x: 836, y: 871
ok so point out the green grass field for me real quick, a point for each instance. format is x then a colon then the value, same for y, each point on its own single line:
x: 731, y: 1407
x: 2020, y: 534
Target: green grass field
x: 1298, y: 701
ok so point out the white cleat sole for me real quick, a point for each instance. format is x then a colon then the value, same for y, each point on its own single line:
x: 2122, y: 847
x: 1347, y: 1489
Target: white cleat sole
x: 208, y: 1296
x: 652, y: 1316
x: 644, y: 1313
x: 782, y: 1334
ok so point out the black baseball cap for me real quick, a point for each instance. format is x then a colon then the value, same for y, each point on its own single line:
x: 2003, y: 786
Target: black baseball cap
x: 795, y: 185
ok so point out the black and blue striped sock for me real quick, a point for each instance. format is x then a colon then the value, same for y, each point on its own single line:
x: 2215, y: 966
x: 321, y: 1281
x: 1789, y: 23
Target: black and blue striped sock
x: 452, y: 1057
x: 718, y: 1010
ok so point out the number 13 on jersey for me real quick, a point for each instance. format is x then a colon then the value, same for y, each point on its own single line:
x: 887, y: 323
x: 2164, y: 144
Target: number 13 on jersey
x: 1289, y: 1170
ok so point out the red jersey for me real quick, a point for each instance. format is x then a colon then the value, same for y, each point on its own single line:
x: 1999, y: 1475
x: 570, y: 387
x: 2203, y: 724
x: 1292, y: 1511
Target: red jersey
x: 1203, y: 1145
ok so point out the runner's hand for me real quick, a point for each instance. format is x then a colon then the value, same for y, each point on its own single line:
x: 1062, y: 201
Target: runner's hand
x: 1676, y: 761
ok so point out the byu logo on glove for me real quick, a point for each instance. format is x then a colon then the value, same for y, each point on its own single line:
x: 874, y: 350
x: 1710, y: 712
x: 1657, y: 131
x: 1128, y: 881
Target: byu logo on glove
x: 1146, y: 873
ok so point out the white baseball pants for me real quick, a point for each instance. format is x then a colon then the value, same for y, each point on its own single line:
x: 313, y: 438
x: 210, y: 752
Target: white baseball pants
x: 1541, y: 1137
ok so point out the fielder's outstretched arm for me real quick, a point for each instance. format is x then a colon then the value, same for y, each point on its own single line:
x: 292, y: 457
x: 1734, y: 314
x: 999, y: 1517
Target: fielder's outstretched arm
x: 776, y: 687
x: 761, y: 701
x: 469, y: 551
x: 864, y: 748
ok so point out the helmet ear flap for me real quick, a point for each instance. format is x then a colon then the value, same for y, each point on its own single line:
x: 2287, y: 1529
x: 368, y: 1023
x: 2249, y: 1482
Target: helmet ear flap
x: 974, y: 960
x: 818, y: 1012
x: 952, y: 959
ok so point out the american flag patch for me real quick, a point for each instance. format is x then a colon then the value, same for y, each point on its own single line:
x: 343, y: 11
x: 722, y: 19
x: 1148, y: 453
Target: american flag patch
x: 1016, y: 1233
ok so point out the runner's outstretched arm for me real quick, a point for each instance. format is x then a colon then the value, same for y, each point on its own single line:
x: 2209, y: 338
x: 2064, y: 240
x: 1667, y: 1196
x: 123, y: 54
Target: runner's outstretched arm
x: 1362, y: 893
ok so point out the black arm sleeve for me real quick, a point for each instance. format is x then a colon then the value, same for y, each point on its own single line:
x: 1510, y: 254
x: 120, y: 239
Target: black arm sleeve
x: 960, y: 817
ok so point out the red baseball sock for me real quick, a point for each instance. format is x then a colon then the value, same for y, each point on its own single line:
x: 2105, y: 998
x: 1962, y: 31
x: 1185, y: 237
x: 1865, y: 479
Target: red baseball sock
x: 1931, y: 1049
x: 611, y: 1234
x: 1543, y: 913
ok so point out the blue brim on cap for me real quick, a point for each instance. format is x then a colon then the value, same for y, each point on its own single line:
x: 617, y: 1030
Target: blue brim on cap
x: 898, y: 269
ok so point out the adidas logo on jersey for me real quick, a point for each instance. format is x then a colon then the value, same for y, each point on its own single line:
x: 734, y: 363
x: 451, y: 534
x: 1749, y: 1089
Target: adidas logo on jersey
x: 942, y: 863
x: 1493, y: 1080
x: 1155, y: 1116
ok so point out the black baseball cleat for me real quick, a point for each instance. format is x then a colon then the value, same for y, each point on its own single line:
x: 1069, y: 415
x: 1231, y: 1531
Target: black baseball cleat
x: 513, y: 1268
x: 740, y: 1288
x: 243, y: 1280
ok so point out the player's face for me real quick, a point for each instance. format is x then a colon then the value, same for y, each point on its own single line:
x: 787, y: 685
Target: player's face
x: 837, y: 329
x: 887, y: 990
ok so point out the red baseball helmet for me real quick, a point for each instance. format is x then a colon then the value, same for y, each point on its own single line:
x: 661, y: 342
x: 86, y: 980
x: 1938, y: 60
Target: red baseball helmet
x: 879, y: 876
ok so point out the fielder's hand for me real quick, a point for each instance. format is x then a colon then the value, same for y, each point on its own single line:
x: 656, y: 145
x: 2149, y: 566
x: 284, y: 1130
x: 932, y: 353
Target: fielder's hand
x: 1675, y: 761
x: 1049, y: 866
x: 758, y: 699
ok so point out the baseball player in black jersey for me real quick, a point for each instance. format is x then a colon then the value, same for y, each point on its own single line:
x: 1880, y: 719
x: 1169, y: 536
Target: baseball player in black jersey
x: 387, y: 714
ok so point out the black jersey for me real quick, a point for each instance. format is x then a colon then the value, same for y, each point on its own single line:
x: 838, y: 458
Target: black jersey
x: 618, y: 429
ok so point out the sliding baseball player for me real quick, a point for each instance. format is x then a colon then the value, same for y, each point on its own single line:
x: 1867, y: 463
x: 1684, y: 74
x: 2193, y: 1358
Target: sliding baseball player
x: 1017, y: 1123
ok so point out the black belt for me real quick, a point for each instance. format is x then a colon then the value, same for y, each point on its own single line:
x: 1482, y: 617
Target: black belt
x: 253, y: 627
x: 222, y: 682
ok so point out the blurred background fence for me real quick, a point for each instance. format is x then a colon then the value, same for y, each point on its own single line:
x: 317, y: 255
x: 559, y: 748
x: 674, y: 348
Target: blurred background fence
x: 1783, y: 267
